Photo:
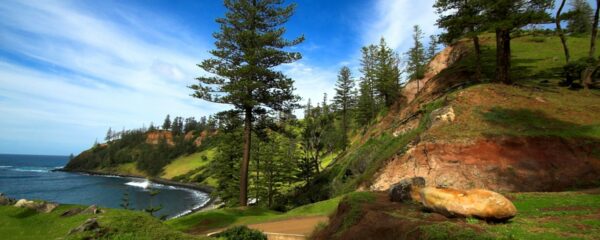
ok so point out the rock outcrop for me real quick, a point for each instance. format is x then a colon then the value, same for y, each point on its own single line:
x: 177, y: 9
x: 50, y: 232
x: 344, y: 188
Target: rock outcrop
x: 4, y: 200
x: 407, y: 190
x: 89, y: 225
x: 92, y: 210
x: 498, y: 164
x: 71, y: 212
x: 43, y: 207
x: 479, y: 203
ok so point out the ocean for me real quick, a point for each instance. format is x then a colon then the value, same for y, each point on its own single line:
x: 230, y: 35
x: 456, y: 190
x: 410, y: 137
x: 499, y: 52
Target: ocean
x: 31, y: 177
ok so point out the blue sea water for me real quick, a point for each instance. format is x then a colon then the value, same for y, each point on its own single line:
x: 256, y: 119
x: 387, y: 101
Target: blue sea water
x: 31, y: 177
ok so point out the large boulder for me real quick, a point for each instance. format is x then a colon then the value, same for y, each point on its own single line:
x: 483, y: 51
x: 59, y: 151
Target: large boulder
x: 24, y: 203
x: 478, y: 203
x: 407, y: 190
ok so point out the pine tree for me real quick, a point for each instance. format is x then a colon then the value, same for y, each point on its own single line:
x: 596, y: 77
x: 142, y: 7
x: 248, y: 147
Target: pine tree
x: 579, y: 18
x: 249, y: 47
x: 432, y: 47
x: 503, y: 16
x: 167, y: 123
x: 367, y: 105
x: 387, y: 74
x: 416, y: 65
x: 109, y: 135
x: 344, y: 99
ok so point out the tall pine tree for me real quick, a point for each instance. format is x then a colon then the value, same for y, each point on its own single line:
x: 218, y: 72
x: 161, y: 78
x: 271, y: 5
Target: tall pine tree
x: 344, y: 99
x: 249, y: 46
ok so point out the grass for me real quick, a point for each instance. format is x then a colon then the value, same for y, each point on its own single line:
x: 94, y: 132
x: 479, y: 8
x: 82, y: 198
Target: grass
x: 563, y: 215
x: 361, y: 162
x: 185, y: 164
x: 227, y: 217
x: 548, y: 215
x: 327, y: 160
x: 21, y: 223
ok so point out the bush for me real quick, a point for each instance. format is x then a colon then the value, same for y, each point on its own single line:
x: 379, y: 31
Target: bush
x: 241, y: 233
x: 572, y: 71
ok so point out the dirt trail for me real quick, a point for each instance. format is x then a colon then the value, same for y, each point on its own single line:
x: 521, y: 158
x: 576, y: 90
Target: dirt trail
x: 300, y: 226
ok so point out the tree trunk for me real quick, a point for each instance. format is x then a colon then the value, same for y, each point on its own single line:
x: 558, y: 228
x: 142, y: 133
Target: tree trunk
x: 503, y: 56
x: 594, y: 31
x: 477, y: 58
x: 246, y: 158
x: 563, y: 39
x: 588, y: 73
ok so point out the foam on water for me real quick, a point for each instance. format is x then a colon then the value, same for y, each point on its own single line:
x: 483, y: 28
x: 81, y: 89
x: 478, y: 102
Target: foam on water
x: 143, y: 184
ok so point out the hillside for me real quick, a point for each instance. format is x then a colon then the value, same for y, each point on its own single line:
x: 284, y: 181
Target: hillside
x: 531, y: 136
x: 523, y: 140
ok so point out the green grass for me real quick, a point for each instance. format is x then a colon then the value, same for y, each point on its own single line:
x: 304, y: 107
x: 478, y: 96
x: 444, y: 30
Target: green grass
x: 364, y: 160
x: 222, y: 218
x: 185, y: 164
x: 327, y: 159
x: 355, y: 201
x: 20, y: 223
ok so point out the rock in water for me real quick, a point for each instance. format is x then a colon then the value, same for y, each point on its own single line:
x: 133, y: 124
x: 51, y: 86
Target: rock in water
x: 407, y: 190
x: 479, y: 203
x: 89, y: 225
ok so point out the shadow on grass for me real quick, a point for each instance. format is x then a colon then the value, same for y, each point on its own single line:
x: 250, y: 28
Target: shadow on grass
x: 25, y: 213
x: 525, y: 122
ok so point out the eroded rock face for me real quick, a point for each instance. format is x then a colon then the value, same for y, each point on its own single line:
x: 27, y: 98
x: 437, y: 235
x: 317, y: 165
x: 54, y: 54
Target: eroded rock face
x: 407, y: 190
x: 497, y: 164
x: 479, y: 203
x: 442, y: 115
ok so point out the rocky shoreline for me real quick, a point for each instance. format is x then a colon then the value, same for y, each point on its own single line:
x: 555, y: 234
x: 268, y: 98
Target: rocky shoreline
x: 212, y: 202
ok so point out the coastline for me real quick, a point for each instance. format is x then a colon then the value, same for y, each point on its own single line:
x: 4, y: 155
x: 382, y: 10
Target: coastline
x: 210, y: 204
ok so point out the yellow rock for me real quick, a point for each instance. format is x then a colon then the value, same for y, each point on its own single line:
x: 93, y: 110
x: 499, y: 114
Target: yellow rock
x: 478, y: 203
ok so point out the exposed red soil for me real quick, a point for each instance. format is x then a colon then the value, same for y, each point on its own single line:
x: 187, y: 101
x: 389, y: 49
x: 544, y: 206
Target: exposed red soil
x: 382, y: 220
x: 499, y: 164
x: 156, y: 136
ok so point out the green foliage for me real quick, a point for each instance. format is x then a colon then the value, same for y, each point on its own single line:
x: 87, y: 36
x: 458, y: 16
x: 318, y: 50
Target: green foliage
x: 417, y: 61
x: 572, y: 70
x: 579, y: 18
x: 241, y: 233
x: 355, y: 203
x: 22, y: 223
x: 345, y: 100
x: 361, y: 163
x: 220, y: 218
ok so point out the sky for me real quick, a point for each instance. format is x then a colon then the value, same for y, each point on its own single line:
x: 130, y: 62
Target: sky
x: 69, y: 70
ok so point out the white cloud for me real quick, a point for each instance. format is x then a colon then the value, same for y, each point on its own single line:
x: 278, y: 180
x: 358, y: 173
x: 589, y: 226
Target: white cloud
x: 394, y: 20
x: 81, y: 72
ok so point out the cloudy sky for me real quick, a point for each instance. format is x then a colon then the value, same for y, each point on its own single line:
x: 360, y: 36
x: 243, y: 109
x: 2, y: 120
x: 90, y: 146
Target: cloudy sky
x: 69, y: 70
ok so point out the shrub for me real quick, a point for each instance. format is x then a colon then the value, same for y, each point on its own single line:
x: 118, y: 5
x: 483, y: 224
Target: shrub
x: 572, y: 71
x: 241, y: 233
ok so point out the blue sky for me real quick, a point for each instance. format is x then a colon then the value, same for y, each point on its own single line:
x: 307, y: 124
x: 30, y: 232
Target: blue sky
x: 69, y: 70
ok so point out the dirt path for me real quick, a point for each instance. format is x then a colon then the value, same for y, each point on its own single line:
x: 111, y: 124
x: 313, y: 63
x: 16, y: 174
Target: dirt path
x: 300, y: 226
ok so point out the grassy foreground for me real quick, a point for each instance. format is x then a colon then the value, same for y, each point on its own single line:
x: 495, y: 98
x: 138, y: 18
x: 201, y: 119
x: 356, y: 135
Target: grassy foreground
x: 20, y: 223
